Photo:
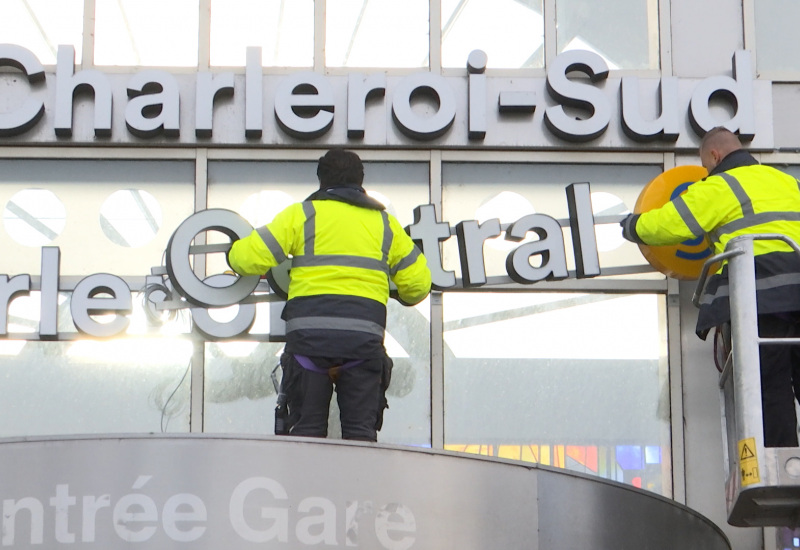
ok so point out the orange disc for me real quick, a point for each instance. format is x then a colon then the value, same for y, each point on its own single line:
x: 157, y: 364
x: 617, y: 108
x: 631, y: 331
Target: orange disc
x: 684, y: 260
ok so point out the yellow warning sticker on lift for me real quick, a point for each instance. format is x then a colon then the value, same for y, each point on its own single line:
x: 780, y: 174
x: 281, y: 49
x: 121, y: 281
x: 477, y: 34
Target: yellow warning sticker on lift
x: 748, y: 461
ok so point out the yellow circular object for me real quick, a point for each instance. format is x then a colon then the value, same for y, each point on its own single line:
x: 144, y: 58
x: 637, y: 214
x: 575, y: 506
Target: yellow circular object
x: 684, y: 260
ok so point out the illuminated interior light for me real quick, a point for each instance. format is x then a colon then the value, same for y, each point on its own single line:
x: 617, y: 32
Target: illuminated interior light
x: 383, y: 199
x: 393, y: 347
x: 260, y: 208
x: 148, y: 353
x: 578, y: 43
x: 510, y: 32
x: 11, y: 347
x: 41, y: 25
x: 609, y: 235
x: 508, y: 207
x: 284, y: 30
x: 127, y: 33
x: 237, y: 349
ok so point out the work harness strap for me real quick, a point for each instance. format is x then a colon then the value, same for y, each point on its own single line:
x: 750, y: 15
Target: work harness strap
x: 308, y: 364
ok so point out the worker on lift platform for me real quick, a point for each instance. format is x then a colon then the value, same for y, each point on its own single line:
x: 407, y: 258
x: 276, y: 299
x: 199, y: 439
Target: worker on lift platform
x: 741, y: 197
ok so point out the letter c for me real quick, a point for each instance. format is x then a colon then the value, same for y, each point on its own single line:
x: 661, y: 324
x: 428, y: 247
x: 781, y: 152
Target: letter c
x: 180, y: 270
x: 25, y: 117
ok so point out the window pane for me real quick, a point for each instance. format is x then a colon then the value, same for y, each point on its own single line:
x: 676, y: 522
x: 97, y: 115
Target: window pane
x: 136, y: 385
x: 41, y: 25
x: 123, y: 211
x: 239, y: 396
x: 561, y: 385
x: 258, y: 191
x: 511, y: 32
x: 624, y: 32
x: 377, y: 33
x: 146, y: 32
x: 283, y: 30
x: 775, y: 21
x: 510, y: 191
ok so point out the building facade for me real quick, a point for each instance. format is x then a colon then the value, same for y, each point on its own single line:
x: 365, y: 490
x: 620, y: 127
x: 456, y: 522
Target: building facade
x: 491, y: 129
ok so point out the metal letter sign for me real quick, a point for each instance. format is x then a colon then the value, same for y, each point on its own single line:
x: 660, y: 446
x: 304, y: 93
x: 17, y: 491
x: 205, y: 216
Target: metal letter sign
x: 380, y: 109
x: 24, y: 118
x: 105, y: 293
x: 180, y: 247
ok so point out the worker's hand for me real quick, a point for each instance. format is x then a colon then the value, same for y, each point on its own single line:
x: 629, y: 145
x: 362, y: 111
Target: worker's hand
x: 628, y: 225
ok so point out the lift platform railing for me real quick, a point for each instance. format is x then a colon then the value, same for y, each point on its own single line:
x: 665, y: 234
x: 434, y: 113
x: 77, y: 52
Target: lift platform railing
x: 762, y: 483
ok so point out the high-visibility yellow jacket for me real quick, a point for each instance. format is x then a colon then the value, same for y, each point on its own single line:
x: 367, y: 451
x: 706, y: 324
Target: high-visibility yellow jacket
x: 344, y: 249
x: 739, y: 197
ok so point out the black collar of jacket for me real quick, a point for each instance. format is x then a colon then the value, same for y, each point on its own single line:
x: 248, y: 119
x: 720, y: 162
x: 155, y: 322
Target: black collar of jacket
x: 349, y: 195
x: 734, y: 159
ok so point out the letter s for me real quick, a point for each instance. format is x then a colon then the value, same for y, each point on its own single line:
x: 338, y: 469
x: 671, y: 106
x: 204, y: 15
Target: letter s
x: 578, y: 95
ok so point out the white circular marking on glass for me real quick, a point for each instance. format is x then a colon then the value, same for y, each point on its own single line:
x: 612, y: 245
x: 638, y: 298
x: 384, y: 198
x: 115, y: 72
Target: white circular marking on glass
x: 34, y: 217
x: 130, y: 217
x: 508, y: 207
x: 260, y: 208
x: 609, y: 235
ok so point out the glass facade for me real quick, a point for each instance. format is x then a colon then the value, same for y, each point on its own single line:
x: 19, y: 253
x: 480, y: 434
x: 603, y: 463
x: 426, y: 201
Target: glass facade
x: 595, y: 26
x: 283, y: 30
x: 368, y: 34
x: 774, y: 21
x: 574, y: 374
x: 511, y: 381
x: 559, y: 385
x: 376, y: 33
x: 510, y: 32
x: 143, y: 32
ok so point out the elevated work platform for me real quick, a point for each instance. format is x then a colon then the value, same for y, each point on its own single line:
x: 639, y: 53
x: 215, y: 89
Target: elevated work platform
x: 763, y: 483
x: 213, y: 492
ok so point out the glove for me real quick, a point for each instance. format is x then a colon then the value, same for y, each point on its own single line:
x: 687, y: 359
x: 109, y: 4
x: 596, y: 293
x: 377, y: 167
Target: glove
x: 628, y: 225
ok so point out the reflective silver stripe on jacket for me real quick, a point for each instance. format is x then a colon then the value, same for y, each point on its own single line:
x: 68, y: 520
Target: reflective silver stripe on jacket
x: 749, y: 217
x: 309, y: 227
x: 334, y: 323
x: 687, y: 217
x: 272, y: 243
x: 407, y: 261
x: 767, y: 283
x: 341, y: 260
x: 741, y: 195
x: 754, y: 220
x: 387, y: 238
x: 310, y: 258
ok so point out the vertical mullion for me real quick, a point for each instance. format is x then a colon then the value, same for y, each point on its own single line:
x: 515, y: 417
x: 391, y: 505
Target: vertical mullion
x: 435, y: 36
x: 653, y: 34
x: 749, y: 24
x: 665, y: 26
x: 204, y: 35
x: 437, y: 325
x: 550, y: 37
x: 320, y: 8
x: 87, y: 38
x: 197, y: 409
x: 678, y: 455
x: 197, y: 396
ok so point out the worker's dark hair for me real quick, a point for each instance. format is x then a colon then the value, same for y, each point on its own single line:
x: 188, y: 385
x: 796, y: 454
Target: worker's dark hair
x: 340, y: 168
x: 720, y: 137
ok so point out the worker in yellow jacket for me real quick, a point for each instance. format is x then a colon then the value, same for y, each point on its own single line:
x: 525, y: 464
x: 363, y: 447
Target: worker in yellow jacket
x: 345, y: 248
x: 738, y: 197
